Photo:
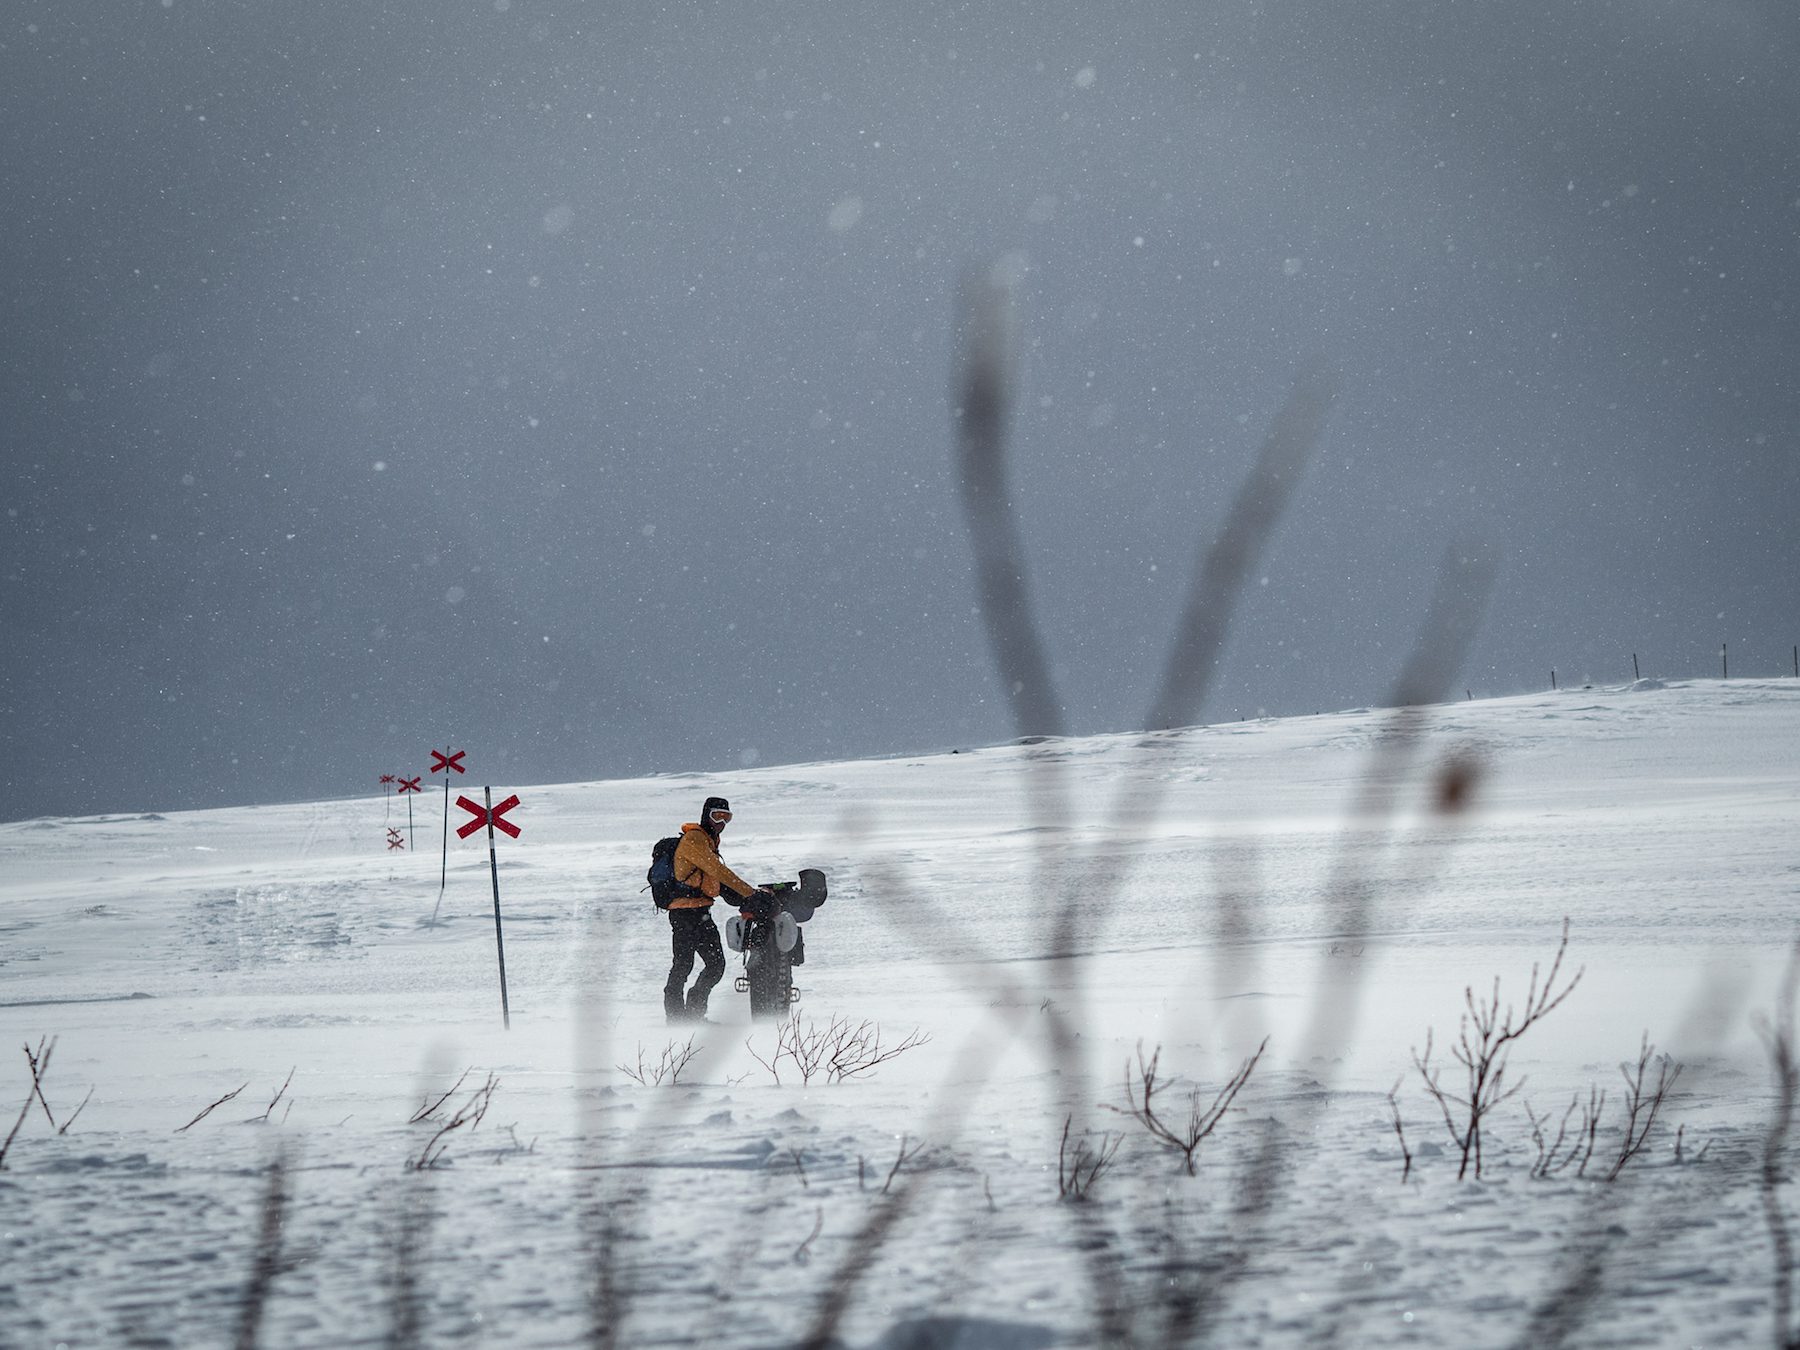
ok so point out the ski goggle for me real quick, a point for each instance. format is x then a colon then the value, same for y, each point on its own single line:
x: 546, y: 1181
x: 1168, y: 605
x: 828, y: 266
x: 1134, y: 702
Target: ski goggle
x: 717, y: 816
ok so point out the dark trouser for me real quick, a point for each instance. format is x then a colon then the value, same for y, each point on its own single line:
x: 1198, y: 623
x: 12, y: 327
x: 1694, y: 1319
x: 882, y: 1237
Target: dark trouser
x: 695, y: 934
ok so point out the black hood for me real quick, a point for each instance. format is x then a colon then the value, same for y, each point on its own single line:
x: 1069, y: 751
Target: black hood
x: 712, y: 804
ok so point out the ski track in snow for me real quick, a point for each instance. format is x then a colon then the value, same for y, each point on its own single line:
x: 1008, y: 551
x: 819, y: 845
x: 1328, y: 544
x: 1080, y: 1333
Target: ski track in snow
x: 177, y: 958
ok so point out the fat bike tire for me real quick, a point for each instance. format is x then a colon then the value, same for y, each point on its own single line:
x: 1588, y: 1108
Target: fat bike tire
x: 771, y: 979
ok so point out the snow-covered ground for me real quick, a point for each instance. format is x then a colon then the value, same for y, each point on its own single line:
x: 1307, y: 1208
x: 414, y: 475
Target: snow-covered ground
x: 1311, y: 880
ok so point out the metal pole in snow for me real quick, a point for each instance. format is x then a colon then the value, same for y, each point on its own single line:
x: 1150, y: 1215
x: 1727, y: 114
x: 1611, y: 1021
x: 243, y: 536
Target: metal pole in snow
x: 1634, y: 669
x: 1553, y: 679
x: 443, y: 879
x: 1724, y: 661
x: 487, y: 798
x: 447, y: 763
x: 444, y: 874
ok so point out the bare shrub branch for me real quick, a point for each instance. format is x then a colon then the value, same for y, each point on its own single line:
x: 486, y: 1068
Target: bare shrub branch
x: 1555, y: 1156
x: 1077, y: 1169
x: 1184, y: 1137
x: 1399, y: 1129
x: 1642, y: 1102
x: 467, y: 1116
x: 856, y: 1050
x: 837, y: 1051
x: 428, y: 1109
x: 39, y: 1063
x: 6, y: 1146
x: 667, y: 1068
x: 1486, y: 1034
x: 773, y: 1062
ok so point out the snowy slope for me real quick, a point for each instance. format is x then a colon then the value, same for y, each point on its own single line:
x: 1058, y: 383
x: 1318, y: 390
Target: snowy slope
x: 1299, y: 879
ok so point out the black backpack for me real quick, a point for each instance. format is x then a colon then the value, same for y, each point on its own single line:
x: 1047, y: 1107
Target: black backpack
x: 661, y: 876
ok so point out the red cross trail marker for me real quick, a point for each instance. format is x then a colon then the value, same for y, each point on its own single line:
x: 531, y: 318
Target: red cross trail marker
x: 396, y: 844
x: 409, y: 785
x: 486, y: 816
x: 443, y: 761
x: 486, y: 813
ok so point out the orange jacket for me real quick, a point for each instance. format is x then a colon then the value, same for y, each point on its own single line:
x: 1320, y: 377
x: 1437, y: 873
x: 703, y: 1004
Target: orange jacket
x: 697, y: 863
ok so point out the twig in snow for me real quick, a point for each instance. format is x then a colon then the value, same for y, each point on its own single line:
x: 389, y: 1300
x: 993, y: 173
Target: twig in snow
x: 1399, y: 1129
x: 39, y: 1062
x: 901, y: 1159
x: 13, y: 1133
x: 40, y: 1065
x: 803, y: 1253
x: 64, y: 1127
x: 467, y: 1116
x: 429, y: 1109
x: 214, y: 1107
x: 279, y: 1094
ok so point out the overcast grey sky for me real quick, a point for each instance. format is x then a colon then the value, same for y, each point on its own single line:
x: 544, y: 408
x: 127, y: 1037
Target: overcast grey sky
x: 569, y: 381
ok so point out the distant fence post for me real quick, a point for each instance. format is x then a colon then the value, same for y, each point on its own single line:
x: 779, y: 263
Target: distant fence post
x: 1553, y: 679
x: 1634, y: 668
x: 1797, y: 663
x: 1724, y: 661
